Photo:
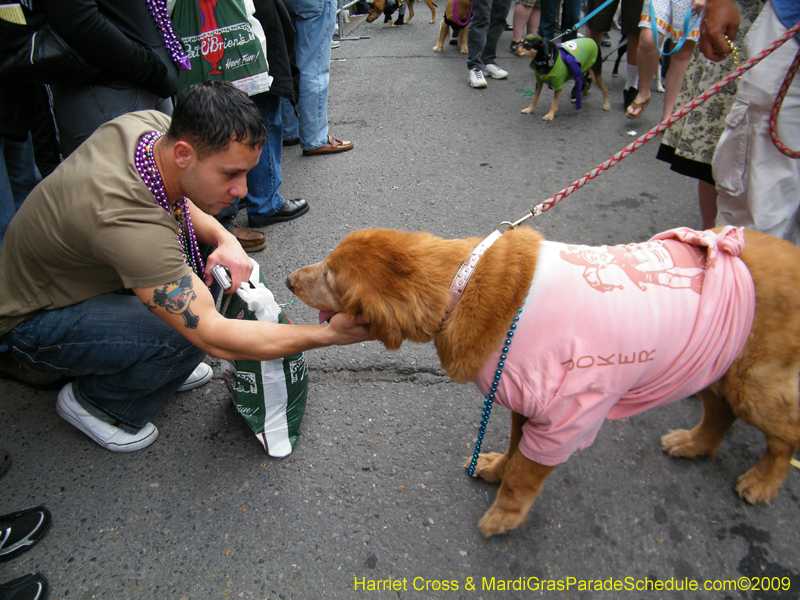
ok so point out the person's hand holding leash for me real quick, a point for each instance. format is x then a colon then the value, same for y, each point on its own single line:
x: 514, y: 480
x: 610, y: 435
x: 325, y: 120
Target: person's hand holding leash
x: 721, y: 20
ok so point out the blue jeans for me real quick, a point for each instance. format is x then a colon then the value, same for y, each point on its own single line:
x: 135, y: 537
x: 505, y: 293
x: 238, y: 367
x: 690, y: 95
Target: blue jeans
x: 18, y: 176
x: 264, y: 181
x: 485, y: 28
x: 128, y: 362
x: 314, y: 21
x: 547, y: 24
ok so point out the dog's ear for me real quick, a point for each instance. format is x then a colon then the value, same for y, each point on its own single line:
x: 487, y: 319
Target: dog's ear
x: 380, y: 276
x: 361, y: 296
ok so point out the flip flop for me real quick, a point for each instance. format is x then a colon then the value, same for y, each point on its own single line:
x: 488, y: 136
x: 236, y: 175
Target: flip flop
x: 5, y: 461
x: 638, y: 105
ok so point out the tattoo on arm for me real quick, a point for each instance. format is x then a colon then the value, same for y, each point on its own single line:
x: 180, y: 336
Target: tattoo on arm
x: 176, y: 298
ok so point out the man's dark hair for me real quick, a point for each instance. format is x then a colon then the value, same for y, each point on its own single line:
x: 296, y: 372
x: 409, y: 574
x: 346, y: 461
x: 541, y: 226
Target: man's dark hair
x: 212, y: 114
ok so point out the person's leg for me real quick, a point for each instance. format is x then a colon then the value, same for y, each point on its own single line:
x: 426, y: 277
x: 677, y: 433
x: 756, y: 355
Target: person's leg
x: 630, y: 15
x: 571, y: 14
x: 264, y: 181
x: 497, y: 25
x: 678, y: 64
x: 522, y: 15
x: 291, y: 128
x: 18, y: 176
x: 477, y: 32
x: 128, y: 362
x: 533, y: 21
x: 707, y: 197
x: 547, y: 22
x: 314, y: 20
x: 647, y: 60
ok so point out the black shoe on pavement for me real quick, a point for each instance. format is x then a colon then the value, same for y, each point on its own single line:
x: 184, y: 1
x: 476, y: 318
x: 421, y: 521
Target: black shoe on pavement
x: 22, y: 529
x: 629, y: 96
x: 12, y: 368
x: 28, y: 587
x: 291, y: 209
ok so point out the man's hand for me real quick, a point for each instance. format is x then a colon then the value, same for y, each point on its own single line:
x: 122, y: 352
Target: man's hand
x: 348, y: 331
x: 229, y: 254
x: 720, y: 19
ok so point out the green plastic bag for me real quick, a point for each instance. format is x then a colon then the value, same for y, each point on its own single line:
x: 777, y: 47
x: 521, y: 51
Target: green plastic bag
x: 222, y: 43
x: 270, y: 395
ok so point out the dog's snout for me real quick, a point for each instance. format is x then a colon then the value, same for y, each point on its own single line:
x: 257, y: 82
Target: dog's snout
x: 289, y: 284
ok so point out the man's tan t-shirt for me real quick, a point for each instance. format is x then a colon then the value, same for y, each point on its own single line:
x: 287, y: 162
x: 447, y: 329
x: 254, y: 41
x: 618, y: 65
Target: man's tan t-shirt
x: 90, y: 228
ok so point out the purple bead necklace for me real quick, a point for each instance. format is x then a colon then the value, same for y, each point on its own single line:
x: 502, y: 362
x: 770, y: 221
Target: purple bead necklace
x: 145, y: 162
x: 158, y: 8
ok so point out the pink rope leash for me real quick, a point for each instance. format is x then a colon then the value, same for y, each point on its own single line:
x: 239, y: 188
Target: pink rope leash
x: 776, y: 108
x: 641, y: 141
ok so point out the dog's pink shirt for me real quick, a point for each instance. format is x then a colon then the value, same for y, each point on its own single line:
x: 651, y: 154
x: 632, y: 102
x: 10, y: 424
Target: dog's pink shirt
x: 608, y: 332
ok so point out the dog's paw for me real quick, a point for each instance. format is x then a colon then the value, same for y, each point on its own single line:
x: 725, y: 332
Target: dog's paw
x: 489, y: 467
x: 437, y: 48
x: 755, y: 487
x: 464, y: 51
x: 682, y: 444
x: 606, y: 106
x: 432, y: 20
x: 527, y: 111
x: 549, y: 117
x: 497, y: 520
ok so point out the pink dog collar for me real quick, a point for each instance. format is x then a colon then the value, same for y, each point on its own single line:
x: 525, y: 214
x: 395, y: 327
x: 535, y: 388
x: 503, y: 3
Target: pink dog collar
x: 465, y: 272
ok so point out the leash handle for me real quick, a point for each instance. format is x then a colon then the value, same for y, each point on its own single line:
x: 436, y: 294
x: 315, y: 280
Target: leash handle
x: 642, y: 140
x: 688, y: 25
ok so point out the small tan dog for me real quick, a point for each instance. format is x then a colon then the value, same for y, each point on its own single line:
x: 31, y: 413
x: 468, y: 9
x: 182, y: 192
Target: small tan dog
x: 550, y: 68
x: 461, y: 26
x: 401, y: 283
x: 378, y: 7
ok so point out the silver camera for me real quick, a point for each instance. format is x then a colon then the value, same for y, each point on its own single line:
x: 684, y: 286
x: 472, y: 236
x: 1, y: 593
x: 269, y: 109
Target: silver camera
x: 222, y: 275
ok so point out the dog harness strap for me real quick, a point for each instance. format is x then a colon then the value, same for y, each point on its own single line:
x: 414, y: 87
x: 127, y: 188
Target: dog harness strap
x: 455, y: 14
x: 577, y: 75
x: 465, y: 272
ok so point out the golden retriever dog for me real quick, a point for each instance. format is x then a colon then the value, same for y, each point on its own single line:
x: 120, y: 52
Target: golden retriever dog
x: 400, y: 282
x: 378, y: 7
x: 464, y: 8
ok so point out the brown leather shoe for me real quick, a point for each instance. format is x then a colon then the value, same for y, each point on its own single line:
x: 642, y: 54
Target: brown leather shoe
x: 333, y: 145
x: 251, y: 241
x: 11, y: 368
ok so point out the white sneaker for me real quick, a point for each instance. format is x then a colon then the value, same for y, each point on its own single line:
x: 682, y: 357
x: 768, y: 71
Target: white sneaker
x: 476, y: 79
x: 495, y: 72
x: 200, y: 376
x: 106, y: 435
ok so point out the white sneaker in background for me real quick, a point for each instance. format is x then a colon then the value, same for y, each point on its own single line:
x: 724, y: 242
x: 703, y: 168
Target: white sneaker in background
x: 495, y: 72
x: 476, y: 78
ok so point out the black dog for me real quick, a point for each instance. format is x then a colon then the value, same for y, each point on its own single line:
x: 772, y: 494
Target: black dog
x: 550, y: 67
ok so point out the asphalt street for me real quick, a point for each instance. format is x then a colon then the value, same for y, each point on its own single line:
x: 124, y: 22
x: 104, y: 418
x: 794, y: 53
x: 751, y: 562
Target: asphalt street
x: 374, y: 503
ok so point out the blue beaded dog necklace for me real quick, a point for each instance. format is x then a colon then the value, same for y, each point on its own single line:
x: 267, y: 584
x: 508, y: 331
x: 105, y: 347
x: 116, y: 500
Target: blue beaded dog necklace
x: 489, y: 398
x: 457, y: 290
